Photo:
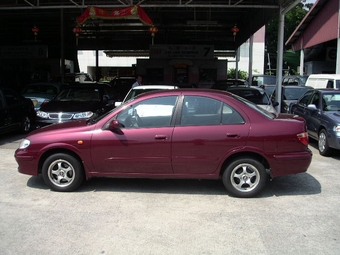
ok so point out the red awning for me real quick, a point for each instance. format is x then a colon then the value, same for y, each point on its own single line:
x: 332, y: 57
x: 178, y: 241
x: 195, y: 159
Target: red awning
x: 92, y: 12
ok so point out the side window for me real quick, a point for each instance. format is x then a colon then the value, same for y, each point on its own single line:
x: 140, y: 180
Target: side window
x: 330, y: 84
x: 155, y: 112
x: 201, y: 111
x: 231, y: 116
x: 304, y: 101
x: 315, y: 100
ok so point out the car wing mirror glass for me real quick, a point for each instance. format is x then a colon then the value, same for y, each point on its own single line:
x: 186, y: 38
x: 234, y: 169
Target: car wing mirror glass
x: 275, y: 104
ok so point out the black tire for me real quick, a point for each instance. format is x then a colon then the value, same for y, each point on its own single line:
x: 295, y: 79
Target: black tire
x: 62, y: 172
x: 323, y: 146
x: 244, y: 177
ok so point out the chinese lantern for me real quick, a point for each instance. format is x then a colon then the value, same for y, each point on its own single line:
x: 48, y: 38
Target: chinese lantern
x: 153, y: 30
x: 77, y: 30
x: 235, y: 30
x: 35, y: 31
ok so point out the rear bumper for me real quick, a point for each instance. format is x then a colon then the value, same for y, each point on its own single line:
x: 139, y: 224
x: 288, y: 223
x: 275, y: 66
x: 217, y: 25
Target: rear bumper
x: 290, y: 163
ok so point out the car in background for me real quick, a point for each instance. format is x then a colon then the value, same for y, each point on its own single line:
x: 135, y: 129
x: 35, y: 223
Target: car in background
x: 41, y: 93
x: 256, y: 95
x: 16, y: 112
x: 268, y: 88
x: 143, y: 89
x: 171, y: 134
x: 289, y: 95
x: 320, y: 108
x: 225, y: 84
x: 76, y: 102
x: 297, y: 80
x: 263, y: 79
x: 121, y: 86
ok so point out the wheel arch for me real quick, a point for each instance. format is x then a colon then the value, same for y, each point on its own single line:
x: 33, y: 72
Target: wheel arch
x: 55, y: 151
x: 244, y: 154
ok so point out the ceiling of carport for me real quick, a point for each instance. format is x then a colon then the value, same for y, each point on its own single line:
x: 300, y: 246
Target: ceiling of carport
x: 189, y: 22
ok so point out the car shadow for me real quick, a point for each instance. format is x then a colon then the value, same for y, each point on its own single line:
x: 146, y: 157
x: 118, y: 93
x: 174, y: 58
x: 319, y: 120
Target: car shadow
x: 300, y: 184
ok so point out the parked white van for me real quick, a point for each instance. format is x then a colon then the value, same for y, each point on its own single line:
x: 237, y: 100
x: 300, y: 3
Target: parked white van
x: 318, y: 81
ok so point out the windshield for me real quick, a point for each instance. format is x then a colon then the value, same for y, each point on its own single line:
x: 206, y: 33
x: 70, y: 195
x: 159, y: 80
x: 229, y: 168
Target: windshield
x: 40, y: 89
x: 262, y: 80
x: 79, y: 94
x: 294, y: 93
x: 135, y: 92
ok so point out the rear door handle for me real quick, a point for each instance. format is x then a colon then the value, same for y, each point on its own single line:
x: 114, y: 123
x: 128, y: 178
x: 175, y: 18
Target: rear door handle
x: 232, y: 135
x: 161, y: 137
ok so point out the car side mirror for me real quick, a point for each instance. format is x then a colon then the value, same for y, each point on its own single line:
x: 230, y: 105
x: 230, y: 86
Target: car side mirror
x: 312, y: 107
x: 114, y: 125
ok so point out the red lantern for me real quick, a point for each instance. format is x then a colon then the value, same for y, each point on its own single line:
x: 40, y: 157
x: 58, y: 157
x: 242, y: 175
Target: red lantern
x: 153, y: 30
x: 35, y: 31
x: 235, y: 30
x: 77, y: 30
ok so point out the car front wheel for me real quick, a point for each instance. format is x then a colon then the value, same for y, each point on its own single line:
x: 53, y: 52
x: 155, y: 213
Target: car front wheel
x: 62, y: 172
x: 244, y: 177
x: 323, y: 146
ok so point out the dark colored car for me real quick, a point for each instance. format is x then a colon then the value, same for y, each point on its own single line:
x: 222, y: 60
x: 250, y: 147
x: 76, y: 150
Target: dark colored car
x: 225, y: 84
x: 180, y: 133
x: 76, y: 102
x: 289, y: 95
x: 121, y: 86
x: 321, y: 110
x: 41, y: 93
x: 16, y: 112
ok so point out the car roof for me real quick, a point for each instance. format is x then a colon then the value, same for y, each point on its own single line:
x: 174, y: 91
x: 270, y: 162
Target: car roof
x: 323, y: 90
x: 155, y: 87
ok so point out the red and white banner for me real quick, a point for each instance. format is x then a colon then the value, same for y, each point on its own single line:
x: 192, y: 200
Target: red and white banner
x: 92, y: 12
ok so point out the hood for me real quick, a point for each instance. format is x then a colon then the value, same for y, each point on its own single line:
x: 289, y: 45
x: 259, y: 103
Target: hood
x: 334, y: 115
x: 62, y: 127
x: 70, y: 106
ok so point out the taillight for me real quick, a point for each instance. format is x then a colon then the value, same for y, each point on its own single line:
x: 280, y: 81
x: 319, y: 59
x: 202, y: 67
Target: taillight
x: 303, y: 138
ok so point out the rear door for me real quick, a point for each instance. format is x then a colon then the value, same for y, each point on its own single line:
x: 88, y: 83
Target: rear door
x: 208, y: 129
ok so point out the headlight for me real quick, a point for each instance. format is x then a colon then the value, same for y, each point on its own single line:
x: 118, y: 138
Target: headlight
x: 336, y: 128
x: 42, y: 114
x: 83, y: 115
x: 24, y: 144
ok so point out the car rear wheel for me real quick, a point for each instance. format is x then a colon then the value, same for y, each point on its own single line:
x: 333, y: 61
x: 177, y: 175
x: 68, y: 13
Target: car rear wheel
x: 62, y: 172
x: 323, y: 146
x: 244, y: 177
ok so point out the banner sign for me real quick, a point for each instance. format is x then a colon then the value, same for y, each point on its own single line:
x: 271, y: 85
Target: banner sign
x: 92, y: 12
x: 182, y: 51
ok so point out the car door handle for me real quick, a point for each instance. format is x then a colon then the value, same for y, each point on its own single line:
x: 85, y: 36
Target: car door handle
x: 232, y: 135
x: 161, y: 137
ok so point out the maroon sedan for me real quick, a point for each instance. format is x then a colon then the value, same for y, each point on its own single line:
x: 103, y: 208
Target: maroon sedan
x: 196, y: 134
